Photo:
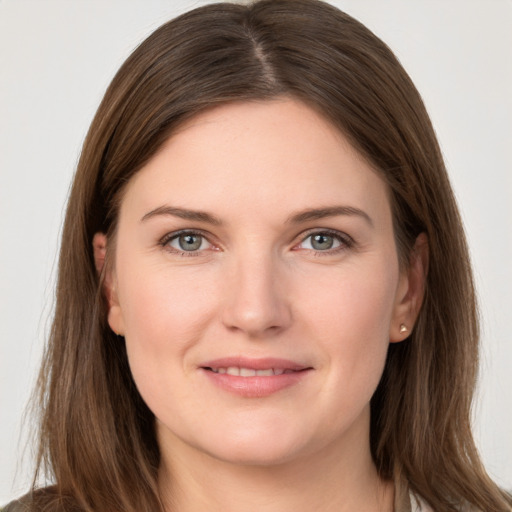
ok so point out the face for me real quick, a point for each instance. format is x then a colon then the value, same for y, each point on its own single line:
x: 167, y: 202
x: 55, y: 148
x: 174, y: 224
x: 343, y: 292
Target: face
x: 257, y: 285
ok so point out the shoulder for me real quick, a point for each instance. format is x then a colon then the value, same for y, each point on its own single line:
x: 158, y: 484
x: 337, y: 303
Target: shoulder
x: 419, y: 505
x: 46, y: 499
x: 16, y: 506
x: 22, y: 504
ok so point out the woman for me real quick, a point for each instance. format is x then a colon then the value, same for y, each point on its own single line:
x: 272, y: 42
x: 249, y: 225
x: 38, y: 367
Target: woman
x: 264, y: 294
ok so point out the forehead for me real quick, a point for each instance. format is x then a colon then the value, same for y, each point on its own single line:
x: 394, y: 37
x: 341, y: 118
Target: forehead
x: 273, y: 156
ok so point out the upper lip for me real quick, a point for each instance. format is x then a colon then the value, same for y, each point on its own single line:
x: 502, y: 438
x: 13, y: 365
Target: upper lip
x: 254, y: 363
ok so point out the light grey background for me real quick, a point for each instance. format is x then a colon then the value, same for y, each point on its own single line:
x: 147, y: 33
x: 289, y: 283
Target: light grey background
x: 56, y: 59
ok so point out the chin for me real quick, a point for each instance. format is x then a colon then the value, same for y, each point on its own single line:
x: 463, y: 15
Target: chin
x: 262, y: 447
x: 264, y: 455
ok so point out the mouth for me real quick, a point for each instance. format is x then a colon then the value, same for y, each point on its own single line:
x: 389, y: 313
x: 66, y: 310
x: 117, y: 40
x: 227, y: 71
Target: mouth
x: 254, y: 378
x: 250, y: 372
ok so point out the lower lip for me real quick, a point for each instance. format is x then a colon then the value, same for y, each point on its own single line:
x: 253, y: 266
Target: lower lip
x: 257, y: 386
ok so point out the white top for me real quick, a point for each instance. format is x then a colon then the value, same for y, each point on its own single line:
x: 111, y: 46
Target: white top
x: 418, y: 505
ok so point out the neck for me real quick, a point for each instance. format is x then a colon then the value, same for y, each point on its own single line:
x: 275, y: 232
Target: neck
x: 339, y: 477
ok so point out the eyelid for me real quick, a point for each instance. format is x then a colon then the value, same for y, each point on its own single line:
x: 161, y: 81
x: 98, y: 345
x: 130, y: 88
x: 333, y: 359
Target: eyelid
x: 168, y: 237
x: 346, y: 240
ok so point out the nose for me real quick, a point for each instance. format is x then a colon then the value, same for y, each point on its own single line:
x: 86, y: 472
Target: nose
x: 257, y: 303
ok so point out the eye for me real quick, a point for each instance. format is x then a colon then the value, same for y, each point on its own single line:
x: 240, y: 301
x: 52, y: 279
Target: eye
x: 186, y: 241
x: 325, y: 241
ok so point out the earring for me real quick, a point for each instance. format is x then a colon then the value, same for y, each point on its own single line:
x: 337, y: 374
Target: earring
x: 403, y: 328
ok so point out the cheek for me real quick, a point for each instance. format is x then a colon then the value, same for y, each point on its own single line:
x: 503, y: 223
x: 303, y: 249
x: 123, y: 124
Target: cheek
x: 164, y: 313
x: 352, y: 321
x: 356, y: 300
x: 164, y: 296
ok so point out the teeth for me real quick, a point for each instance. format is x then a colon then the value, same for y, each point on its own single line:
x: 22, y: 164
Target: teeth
x: 247, y: 372
x: 264, y: 373
x: 250, y: 372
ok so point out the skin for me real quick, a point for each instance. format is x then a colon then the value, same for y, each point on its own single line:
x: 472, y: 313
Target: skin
x: 259, y: 287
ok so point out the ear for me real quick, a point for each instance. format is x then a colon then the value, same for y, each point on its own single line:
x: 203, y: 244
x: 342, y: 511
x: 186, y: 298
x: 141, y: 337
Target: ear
x: 99, y: 245
x: 410, y: 292
x: 115, y: 317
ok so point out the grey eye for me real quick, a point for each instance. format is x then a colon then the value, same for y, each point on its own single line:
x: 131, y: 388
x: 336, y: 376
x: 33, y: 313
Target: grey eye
x: 322, y: 242
x: 188, y: 242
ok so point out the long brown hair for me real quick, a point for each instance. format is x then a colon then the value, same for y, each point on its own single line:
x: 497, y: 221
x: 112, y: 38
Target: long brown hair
x: 97, y: 439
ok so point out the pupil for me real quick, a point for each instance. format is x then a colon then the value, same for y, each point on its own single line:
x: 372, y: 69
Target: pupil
x: 190, y: 242
x: 322, y: 242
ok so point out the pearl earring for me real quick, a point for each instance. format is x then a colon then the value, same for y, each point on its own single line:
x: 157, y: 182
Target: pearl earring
x: 403, y: 328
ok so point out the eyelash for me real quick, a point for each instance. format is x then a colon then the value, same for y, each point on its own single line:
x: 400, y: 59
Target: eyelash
x: 169, y: 237
x: 346, y: 242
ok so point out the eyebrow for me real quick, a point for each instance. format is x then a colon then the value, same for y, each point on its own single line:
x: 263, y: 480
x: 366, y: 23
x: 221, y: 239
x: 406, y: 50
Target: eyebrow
x: 183, y: 213
x: 297, y: 218
x: 330, y: 211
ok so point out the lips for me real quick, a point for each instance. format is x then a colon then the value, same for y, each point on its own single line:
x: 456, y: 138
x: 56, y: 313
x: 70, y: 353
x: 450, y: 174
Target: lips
x: 263, y: 363
x: 252, y: 378
x: 250, y: 372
